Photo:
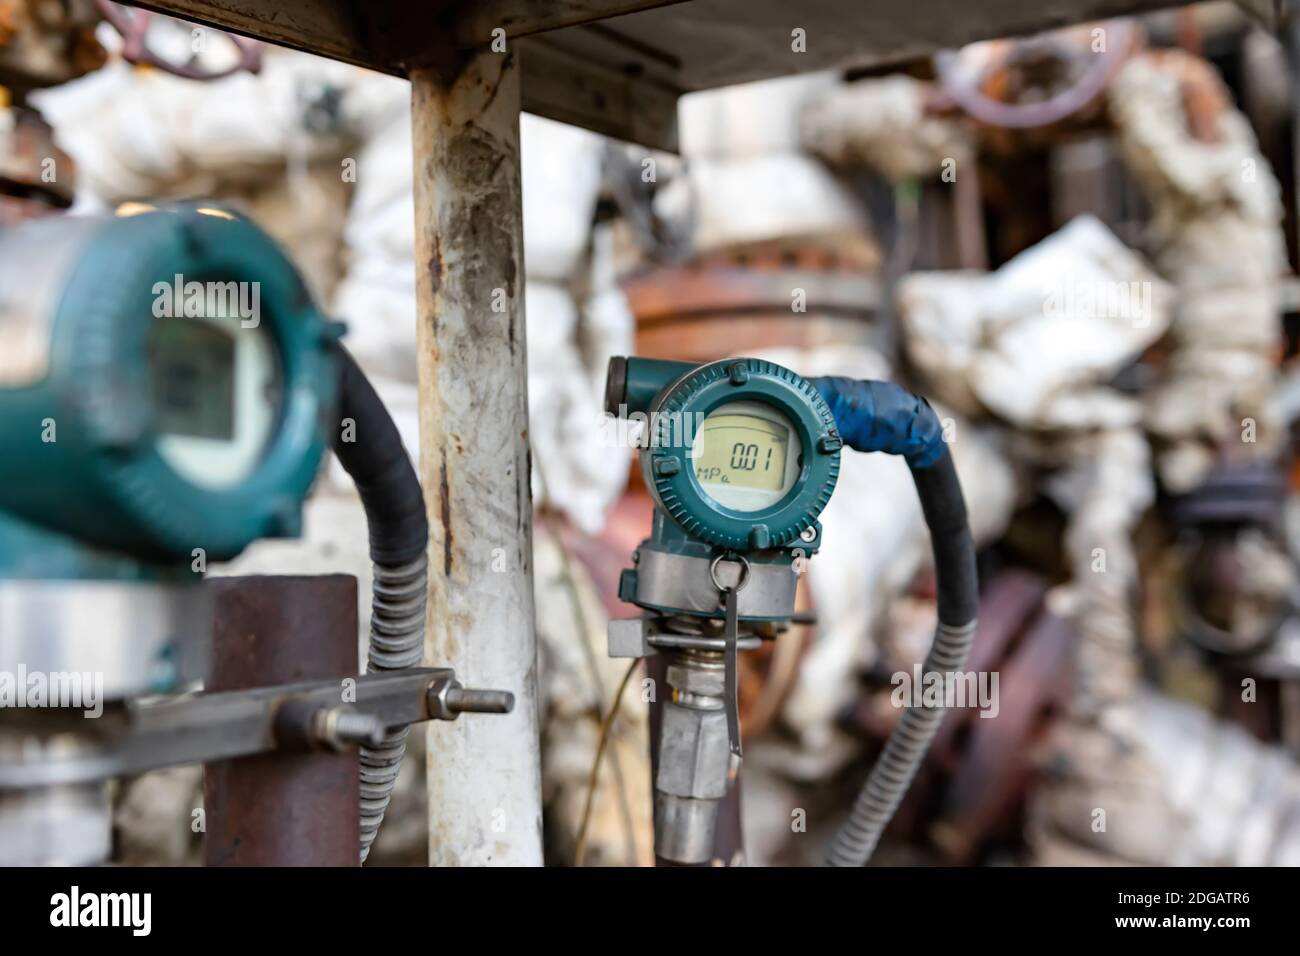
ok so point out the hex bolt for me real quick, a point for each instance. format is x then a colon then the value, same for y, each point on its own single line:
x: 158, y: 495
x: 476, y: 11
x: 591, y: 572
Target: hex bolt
x: 448, y: 700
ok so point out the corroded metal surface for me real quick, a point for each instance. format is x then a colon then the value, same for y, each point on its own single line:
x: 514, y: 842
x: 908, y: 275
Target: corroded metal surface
x: 615, y: 66
x: 283, y: 809
x: 484, y: 777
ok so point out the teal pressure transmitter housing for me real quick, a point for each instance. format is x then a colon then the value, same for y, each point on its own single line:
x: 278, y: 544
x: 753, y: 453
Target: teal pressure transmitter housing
x: 166, y: 389
x: 741, y: 456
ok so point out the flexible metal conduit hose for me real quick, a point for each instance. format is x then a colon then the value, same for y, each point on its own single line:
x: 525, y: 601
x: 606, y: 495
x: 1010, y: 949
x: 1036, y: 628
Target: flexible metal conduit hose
x: 369, y: 447
x: 879, y: 416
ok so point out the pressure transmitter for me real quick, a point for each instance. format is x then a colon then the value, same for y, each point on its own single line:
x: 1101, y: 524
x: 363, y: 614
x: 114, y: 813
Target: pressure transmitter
x: 741, y: 456
x: 166, y: 388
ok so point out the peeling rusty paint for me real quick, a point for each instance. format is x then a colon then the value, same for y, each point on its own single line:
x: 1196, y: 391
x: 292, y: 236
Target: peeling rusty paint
x: 444, y: 514
x: 500, y: 78
x: 435, y: 266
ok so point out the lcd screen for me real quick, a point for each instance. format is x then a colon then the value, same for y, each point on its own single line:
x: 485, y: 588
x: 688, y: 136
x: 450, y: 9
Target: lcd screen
x: 194, y: 379
x: 744, y: 451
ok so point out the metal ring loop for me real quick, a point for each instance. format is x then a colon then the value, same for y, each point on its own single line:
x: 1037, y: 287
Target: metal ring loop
x: 744, y: 576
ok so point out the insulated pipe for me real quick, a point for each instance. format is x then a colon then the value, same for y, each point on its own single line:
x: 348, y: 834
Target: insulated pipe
x: 369, y: 447
x: 879, y: 416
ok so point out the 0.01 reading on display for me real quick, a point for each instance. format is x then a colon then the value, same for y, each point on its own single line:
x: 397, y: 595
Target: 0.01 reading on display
x: 745, y: 456
x: 743, y: 450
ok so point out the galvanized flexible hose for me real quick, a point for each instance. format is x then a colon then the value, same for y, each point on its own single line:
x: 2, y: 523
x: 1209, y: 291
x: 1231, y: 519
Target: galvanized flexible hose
x: 398, y: 599
x: 370, y: 448
x: 902, y: 757
x: 877, y: 416
x: 400, y: 594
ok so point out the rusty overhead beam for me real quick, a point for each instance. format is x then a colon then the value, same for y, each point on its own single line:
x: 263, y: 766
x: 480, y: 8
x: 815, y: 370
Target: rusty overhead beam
x: 617, y: 66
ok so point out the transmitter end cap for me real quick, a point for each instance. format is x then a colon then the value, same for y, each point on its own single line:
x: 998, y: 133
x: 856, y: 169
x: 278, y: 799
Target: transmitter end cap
x: 616, y: 385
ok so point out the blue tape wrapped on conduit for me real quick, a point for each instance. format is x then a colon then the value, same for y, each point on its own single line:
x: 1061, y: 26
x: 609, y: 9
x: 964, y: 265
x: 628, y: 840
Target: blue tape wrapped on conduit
x: 882, y: 416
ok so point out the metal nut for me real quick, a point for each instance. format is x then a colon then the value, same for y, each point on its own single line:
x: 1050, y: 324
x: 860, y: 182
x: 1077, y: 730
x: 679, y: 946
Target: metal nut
x: 697, y: 679
x: 448, y: 700
x: 694, y: 753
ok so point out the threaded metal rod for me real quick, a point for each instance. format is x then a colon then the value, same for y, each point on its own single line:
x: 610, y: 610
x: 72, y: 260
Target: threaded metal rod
x: 464, y: 700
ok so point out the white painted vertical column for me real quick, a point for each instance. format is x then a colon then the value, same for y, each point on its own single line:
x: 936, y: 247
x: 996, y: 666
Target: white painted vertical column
x: 484, y: 771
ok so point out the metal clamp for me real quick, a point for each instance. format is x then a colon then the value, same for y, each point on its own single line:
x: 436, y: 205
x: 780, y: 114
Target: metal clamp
x: 206, y: 727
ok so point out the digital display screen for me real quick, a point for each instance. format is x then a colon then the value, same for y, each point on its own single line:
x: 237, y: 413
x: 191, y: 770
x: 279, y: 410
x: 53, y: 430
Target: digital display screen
x: 194, y: 379
x: 742, y: 450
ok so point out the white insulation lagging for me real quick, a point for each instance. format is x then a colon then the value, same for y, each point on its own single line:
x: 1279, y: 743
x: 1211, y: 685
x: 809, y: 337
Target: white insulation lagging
x: 901, y: 758
x: 400, y: 595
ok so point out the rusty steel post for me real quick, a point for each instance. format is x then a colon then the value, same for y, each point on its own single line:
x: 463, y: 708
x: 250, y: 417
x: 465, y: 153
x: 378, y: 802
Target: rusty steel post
x: 484, y: 777
x: 283, y: 809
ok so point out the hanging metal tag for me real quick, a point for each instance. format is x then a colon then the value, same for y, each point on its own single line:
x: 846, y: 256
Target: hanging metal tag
x: 730, y: 662
x: 730, y: 591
